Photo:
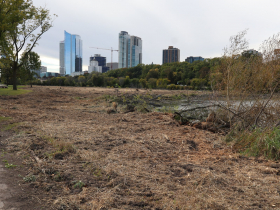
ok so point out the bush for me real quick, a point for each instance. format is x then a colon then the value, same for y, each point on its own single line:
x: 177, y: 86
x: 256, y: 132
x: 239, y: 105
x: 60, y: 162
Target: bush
x: 143, y: 83
x: 257, y: 143
x: 171, y: 87
x: 152, y: 83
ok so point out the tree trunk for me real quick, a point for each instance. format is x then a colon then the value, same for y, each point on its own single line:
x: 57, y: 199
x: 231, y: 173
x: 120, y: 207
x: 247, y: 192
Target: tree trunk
x: 15, y: 76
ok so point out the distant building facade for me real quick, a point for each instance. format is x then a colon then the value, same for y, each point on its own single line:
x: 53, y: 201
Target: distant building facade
x: 93, y: 67
x: 49, y: 74
x: 251, y: 52
x: 71, y: 55
x: 192, y: 59
x: 38, y: 72
x: 130, y: 50
x: 61, y: 58
x: 113, y: 65
x: 101, y: 62
x: 170, y: 55
x: 43, y: 69
x: 77, y: 73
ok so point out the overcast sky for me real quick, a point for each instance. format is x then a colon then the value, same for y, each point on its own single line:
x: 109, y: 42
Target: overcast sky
x: 196, y: 27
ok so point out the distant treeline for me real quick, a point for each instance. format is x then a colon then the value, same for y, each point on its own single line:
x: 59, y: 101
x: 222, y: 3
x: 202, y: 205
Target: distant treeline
x: 177, y: 75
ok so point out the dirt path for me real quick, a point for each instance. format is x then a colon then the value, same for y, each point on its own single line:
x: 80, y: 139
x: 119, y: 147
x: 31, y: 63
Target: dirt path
x: 3, y: 189
x: 5, y: 192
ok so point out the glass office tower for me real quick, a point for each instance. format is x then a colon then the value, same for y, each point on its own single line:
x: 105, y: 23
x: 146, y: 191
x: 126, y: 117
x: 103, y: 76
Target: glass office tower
x: 130, y: 50
x: 73, y: 57
x: 136, y: 51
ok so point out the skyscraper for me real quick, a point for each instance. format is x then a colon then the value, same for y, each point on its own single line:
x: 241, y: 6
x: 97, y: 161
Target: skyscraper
x: 171, y: 55
x: 72, y: 58
x: 61, y: 59
x: 130, y: 50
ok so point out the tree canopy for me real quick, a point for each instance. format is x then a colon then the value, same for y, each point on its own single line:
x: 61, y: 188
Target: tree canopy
x: 21, y: 26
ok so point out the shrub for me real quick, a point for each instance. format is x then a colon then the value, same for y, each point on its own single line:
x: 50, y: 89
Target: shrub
x: 79, y: 184
x: 152, y: 83
x: 171, y: 87
x: 257, y: 143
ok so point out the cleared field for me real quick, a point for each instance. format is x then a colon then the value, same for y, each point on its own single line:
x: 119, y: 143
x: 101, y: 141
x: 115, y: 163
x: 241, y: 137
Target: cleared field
x: 74, y: 155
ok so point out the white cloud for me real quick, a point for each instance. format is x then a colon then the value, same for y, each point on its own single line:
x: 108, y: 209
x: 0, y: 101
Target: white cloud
x: 51, y: 63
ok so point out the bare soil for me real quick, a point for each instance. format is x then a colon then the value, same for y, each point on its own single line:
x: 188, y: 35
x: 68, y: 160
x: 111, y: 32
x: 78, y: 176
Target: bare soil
x: 71, y: 154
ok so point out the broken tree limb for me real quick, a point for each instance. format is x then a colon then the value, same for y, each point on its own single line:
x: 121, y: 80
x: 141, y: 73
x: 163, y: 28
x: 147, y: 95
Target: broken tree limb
x: 269, y: 99
x: 199, y: 107
x: 155, y: 97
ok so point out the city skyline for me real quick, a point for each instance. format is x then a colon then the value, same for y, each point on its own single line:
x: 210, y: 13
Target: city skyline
x: 197, y: 28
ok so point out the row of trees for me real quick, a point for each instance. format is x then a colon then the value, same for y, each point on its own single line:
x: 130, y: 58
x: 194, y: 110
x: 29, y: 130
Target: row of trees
x: 178, y: 75
x: 100, y: 80
x: 172, y: 76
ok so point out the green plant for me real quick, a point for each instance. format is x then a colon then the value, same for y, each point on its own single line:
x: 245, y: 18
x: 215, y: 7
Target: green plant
x: 58, y: 177
x: 8, y: 165
x: 97, y: 173
x: 65, y: 147
x: 176, y: 107
x: 124, y: 99
x: 79, y: 184
x: 10, y: 126
x: 4, y: 118
x: 29, y: 178
x: 259, y: 142
x: 3, y: 153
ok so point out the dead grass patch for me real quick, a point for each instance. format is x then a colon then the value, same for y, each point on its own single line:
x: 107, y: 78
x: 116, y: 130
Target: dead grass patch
x: 129, y: 160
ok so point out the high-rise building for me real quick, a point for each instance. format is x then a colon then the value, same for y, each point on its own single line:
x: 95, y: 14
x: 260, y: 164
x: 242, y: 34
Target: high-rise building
x: 72, y: 58
x: 101, y: 62
x: 61, y: 59
x: 43, y: 69
x: 113, y: 65
x: 171, y: 55
x: 191, y: 59
x: 130, y: 50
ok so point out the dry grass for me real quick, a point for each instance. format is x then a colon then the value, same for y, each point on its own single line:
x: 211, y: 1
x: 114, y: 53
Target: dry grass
x: 129, y: 161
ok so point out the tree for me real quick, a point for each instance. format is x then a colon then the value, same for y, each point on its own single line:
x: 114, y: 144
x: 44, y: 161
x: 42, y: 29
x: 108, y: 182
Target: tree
x: 29, y: 64
x: 20, y: 29
x: 6, y: 70
x: 82, y: 81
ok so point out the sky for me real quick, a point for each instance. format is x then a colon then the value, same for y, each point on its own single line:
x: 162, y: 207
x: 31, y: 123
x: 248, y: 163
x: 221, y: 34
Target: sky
x: 196, y: 27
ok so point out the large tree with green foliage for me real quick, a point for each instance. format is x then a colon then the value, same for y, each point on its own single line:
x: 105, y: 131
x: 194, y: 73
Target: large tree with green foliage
x: 30, y: 64
x: 21, y: 26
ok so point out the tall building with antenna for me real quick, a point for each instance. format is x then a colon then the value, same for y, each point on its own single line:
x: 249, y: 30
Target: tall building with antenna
x: 71, y: 54
x: 130, y: 50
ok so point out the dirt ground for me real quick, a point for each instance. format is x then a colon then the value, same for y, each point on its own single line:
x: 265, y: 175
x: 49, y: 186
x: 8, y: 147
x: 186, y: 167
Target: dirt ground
x: 62, y: 150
